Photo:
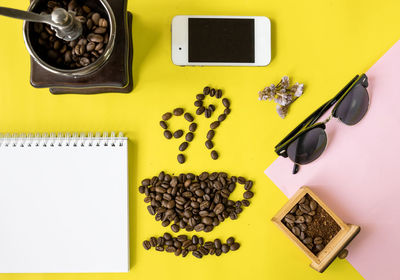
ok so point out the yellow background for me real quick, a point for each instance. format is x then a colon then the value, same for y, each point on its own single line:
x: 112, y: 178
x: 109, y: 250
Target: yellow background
x: 322, y: 44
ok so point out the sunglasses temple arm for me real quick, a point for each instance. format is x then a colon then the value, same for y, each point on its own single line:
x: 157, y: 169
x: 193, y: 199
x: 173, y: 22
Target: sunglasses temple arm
x: 313, y: 118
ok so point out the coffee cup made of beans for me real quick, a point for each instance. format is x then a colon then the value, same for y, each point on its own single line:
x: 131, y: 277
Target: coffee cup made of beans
x: 194, y: 202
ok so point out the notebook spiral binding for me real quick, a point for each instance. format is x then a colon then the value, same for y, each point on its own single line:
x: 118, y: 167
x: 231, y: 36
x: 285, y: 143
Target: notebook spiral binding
x: 62, y: 140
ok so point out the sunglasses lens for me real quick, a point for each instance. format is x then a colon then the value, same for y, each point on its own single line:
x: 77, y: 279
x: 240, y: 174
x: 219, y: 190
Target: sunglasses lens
x: 308, y: 147
x: 354, y: 106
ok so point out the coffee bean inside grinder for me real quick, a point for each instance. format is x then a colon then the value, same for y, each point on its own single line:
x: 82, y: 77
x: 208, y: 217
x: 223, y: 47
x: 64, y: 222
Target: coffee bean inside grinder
x: 78, y: 53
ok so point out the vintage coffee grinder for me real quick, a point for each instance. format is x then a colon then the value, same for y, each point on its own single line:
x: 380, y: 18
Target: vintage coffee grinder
x: 110, y: 72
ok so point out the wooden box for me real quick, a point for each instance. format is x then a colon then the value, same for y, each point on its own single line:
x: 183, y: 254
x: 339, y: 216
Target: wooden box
x: 324, y: 258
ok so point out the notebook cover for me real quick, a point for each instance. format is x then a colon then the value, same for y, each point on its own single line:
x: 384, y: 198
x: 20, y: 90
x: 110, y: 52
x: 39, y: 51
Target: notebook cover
x: 64, y: 205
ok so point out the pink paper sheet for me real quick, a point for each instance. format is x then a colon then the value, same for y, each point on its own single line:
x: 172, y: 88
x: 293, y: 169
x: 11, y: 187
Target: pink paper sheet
x: 358, y: 175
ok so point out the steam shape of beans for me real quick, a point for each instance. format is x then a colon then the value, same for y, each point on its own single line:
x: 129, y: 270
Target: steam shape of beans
x: 201, y: 109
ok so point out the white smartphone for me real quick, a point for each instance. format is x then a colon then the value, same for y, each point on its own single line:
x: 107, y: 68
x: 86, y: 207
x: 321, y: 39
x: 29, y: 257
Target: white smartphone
x: 221, y: 40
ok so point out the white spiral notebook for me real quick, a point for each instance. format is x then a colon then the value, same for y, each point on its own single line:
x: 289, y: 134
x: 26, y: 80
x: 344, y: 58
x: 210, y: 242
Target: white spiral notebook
x: 64, y: 203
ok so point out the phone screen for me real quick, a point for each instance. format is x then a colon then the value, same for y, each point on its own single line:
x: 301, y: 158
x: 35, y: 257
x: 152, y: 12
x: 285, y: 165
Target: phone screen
x: 221, y: 40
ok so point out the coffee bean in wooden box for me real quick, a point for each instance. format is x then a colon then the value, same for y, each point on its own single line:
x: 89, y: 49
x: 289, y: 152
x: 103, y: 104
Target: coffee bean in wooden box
x: 296, y: 218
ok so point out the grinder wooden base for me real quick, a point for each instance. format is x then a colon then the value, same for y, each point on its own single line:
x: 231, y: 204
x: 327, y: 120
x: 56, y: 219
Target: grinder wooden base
x: 324, y: 258
x: 114, y: 76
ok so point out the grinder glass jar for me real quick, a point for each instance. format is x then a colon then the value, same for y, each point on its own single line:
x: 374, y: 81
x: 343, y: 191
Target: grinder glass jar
x: 79, y: 57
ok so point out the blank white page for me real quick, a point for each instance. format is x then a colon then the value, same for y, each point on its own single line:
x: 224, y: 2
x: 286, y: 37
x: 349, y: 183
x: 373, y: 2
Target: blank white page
x: 64, y: 207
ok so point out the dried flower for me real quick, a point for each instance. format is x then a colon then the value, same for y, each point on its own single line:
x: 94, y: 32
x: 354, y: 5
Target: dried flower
x: 282, y: 94
x: 282, y: 110
x: 284, y: 82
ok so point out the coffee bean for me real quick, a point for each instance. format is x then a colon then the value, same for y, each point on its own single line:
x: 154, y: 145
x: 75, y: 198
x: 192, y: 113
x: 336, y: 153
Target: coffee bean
x: 308, y: 219
x: 146, y: 244
x: 218, y: 94
x: 178, y: 133
x: 96, y: 18
x: 199, y: 227
x: 207, y: 113
x: 103, y: 22
x: 290, y: 218
x: 167, y: 134
x: 226, y: 102
x: 193, y: 127
x: 181, y: 158
x: 214, y: 125
x: 318, y: 240
x: 200, y: 110
x: 184, y: 253
x: 175, y: 228
x: 302, y: 227
x: 225, y: 248
x: 160, y: 248
x: 166, y: 116
x: 307, y: 240
x: 195, y: 239
x: 151, y: 210
x: 203, y: 251
x: 153, y: 242
x: 165, y: 223
x: 178, y: 111
x: 313, y: 205
x: 210, y: 134
x: 200, y: 97
x: 209, y: 144
x: 163, y: 125
x: 305, y: 208
x: 198, y: 103
x: 296, y: 230
x: 221, y: 117
x: 234, y: 246
x: 183, y: 146
x: 212, y: 92
x: 84, y: 61
x: 167, y: 236
x: 197, y: 254
x: 245, y: 203
x: 189, y: 117
x: 189, y: 136
x: 248, y: 185
x: 206, y: 90
x: 248, y: 195
x: 211, y: 107
x: 343, y: 254
x: 170, y: 249
x: 230, y: 241
x: 178, y: 251
x: 100, y: 30
x: 160, y: 241
x: 319, y: 247
x: 299, y: 220
x: 201, y: 240
x: 97, y: 38
x: 227, y: 111
x: 214, y: 155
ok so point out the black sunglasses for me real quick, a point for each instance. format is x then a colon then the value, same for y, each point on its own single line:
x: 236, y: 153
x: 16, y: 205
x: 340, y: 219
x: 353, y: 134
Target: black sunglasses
x: 308, y: 140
